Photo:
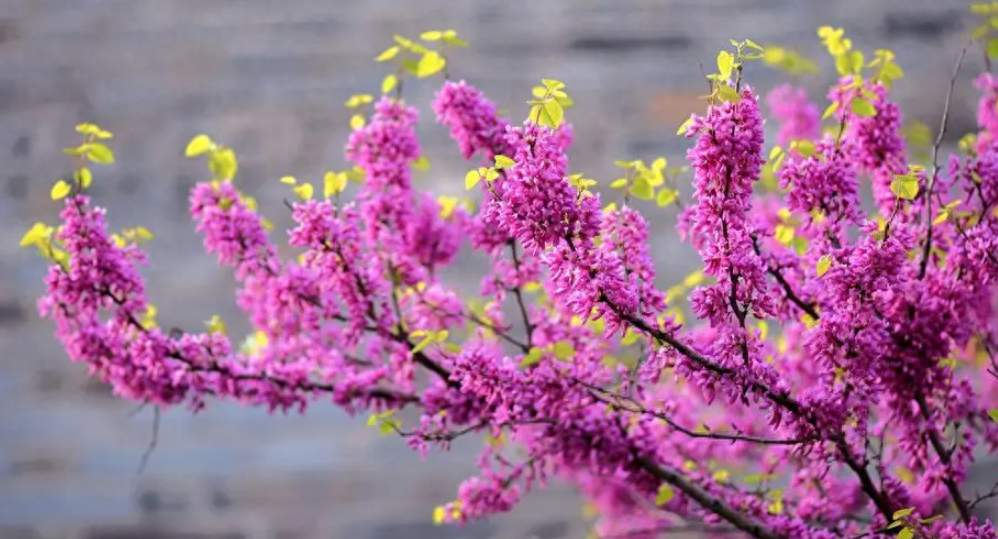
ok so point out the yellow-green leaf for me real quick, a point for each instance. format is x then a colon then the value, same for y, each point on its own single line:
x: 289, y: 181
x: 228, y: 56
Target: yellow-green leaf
x: 389, y: 83
x: 472, y: 178
x: 665, y: 494
x: 430, y: 64
x: 357, y: 121
x: 388, y: 54
x: 993, y: 48
x: 862, y: 107
x: 824, y: 263
x: 358, y: 100
x: 288, y: 180
x: 432, y: 35
x: 85, y: 177
x: 784, y: 234
x: 215, y: 324
x: 304, y: 191
x: 685, y: 126
x: 727, y: 93
x: 333, y: 183
x: 666, y: 197
x: 423, y: 163
x: 532, y: 357
x: 563, y: 350
x: 100, y: 153
x: 551, y: 113
x: 725, y: 63
x: 38, y: 234
x: 642, y: 189
x: 223, y: 164
x: 552, y: 84
x: 805, y: 147
x: 830, y: 110
x: 198, y: 145
x: 504, y: 162
x: 993, y: 414
x: 447, y: 205
x: 60, y: 190
x: 906, y: 533
x: 905, y: 187
x: 901, y: 513
x: 427, y: 340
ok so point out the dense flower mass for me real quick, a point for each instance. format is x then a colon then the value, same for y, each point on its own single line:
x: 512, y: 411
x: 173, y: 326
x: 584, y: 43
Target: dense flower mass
x: 827, y: 373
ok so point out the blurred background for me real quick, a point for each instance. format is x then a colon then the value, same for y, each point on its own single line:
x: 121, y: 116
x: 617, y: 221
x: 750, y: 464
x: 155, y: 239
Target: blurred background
x: 269, y: 78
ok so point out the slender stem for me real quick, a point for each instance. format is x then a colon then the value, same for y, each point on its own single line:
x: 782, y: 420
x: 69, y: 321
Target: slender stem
x: 943, y: 123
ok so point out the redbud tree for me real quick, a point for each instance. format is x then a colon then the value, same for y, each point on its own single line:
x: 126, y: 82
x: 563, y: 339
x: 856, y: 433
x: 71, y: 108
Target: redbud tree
x: 830, y: 372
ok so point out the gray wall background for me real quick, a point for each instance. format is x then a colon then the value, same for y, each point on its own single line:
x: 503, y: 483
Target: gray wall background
x: 269, y: 77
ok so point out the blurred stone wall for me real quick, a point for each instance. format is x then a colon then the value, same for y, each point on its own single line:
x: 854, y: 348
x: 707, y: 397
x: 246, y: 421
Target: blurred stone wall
x: 269, y: 77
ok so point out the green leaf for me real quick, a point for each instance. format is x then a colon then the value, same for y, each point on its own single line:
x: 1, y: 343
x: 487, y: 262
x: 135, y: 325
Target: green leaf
x: 504, y: 162
x: 666, y: 197
x: 906, y: 533
x: 99, y: 153
x: 430, y: 64
x: 665, y: 494
x: 642, y: 189
x: 725, y: 64
x: 618, y: 183
x: 432, y: 35
x: 824, y: 263
x: 198, y: 145
x: 993, y: 414
x: 862, y: 107
x: 901, y: 513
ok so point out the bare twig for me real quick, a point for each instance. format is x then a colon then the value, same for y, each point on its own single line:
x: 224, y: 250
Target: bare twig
x: 943, y: 123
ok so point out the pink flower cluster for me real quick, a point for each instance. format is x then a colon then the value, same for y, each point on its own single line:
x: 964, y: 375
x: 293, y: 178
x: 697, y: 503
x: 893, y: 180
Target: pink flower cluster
x: 836, y: 374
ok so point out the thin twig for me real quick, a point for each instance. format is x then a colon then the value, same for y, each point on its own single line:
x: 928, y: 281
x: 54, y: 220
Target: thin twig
x: 943, y: 123
x: 152, y: 442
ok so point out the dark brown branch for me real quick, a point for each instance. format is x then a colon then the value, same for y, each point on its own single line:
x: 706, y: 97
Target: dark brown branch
x: 944, y: 457
x: 707, y: 500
